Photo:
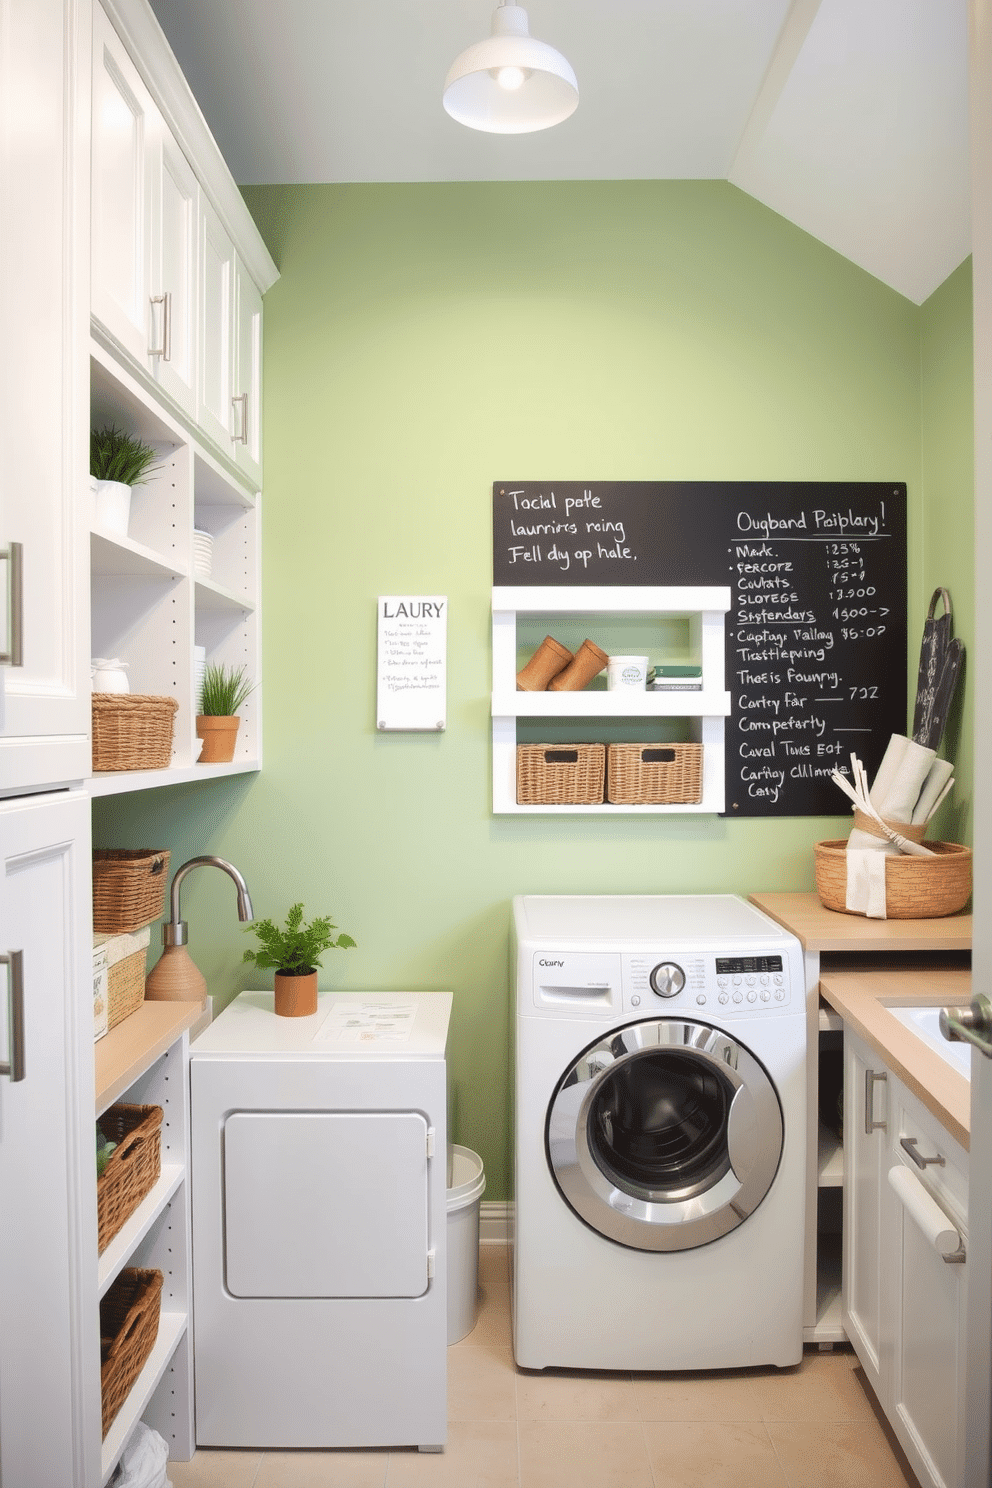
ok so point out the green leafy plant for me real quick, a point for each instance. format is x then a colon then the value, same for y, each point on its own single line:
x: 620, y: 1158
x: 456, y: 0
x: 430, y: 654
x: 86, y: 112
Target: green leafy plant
x: 294, y: 949
x: 117, y: 456
x: 224, y: 690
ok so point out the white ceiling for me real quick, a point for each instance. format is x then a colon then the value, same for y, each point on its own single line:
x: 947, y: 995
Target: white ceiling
x: 848, y: 117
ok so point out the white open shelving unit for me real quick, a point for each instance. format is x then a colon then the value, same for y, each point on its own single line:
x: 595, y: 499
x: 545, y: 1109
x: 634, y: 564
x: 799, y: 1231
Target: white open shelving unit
x: 149, y: 606
x: 705, y: 609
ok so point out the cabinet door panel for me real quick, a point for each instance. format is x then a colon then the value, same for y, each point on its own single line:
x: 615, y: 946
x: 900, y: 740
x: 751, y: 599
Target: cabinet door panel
x: 248, y: 375
x: 216, y: 330
x: 48, y: 1337
x: 176, y: 221
x: 864, y: 1195
x: 44, y: 701
x: 124, y: 121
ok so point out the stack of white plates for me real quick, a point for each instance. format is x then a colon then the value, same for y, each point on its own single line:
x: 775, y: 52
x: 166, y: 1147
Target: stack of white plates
x: 203, y: 553
x: 199, y: 663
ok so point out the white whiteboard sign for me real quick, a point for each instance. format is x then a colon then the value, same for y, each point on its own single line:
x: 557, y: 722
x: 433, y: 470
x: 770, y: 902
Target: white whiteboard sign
x: 412, y: 653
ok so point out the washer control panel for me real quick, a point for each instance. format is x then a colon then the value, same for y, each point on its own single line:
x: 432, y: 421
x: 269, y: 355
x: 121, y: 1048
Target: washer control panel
x: 590, y: 983
x: 728, y: 984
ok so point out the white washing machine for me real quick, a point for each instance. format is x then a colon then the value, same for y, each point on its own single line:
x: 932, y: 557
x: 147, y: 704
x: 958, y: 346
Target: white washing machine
x: 660, y: 1137
x: 319, y: 1206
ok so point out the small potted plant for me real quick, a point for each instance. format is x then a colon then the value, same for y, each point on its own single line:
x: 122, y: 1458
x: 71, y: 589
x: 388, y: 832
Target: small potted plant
x: 118, y: 463
x: 223, y: 692
x: 294, y: 951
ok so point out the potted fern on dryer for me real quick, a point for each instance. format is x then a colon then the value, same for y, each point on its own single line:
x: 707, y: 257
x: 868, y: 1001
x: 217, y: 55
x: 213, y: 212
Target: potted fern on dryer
x: 293, y: 951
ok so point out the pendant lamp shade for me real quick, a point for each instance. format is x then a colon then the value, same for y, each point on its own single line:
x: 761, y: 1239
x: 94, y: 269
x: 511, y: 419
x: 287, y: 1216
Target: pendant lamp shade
x: 510, y: 83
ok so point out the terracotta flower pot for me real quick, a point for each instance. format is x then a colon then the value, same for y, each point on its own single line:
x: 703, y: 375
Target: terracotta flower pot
x: 296, y: 996
x: 219, y: 735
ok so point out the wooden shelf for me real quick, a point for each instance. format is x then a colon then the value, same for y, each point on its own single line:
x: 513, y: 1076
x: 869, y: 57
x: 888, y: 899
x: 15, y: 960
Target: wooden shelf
x: 127, y: 1050
x: 601, y: 704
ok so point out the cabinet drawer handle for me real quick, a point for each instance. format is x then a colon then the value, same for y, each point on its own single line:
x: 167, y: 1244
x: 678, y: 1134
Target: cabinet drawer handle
x: 909, y: 1146
x: 242, y: 438
x: 872, y: 1077
x: 165, y: 350
x: 14, y: 1067
x: 14, y: 655
x: 933, y: 1223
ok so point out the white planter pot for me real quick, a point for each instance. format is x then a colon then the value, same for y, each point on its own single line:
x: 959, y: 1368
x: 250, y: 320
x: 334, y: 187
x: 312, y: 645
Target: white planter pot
x: 111, y: 505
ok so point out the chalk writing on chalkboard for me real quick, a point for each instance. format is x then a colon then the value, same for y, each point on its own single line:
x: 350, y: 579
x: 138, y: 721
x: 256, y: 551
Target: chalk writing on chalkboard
x: 816, y: 634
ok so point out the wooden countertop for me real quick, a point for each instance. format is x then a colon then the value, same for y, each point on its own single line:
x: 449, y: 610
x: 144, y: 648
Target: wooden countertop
x: 820, y: 929
x: 863, y: 999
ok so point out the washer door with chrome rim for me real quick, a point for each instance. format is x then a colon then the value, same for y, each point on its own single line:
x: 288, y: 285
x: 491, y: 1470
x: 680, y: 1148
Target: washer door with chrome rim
x: 665, y: 1135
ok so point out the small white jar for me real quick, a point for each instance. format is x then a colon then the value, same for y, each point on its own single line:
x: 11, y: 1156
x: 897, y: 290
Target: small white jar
x: 109, y: 674
x: 627, y: 674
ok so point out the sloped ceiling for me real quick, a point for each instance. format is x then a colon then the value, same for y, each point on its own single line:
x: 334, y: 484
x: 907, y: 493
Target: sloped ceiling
x: 848, y: 117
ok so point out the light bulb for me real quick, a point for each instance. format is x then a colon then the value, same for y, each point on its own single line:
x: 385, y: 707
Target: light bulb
x: 510, y: 78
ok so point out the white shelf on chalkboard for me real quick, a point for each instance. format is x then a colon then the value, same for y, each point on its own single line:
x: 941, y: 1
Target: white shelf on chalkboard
x: 705, y: 711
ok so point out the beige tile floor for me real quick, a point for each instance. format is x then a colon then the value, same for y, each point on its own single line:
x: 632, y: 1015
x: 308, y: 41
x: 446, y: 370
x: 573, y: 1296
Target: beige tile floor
x: 815, y: 1426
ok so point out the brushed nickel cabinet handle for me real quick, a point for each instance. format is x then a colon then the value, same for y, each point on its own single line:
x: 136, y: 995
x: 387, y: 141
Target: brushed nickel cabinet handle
x: 165, y: 350
x: 872, y: 1077
x: 909, y: 1146
x: 14, y: 655
x: 14, y: 1066
x: 242, y: 438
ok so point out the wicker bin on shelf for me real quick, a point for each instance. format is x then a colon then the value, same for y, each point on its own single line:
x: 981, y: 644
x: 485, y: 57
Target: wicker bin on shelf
x: 131, y: 731
x: 132, y: 1169
x: 654, y: 774
x: 915, y: 888
x: 129, y: 1315
x: 128, y: 888
x: 560, y: 774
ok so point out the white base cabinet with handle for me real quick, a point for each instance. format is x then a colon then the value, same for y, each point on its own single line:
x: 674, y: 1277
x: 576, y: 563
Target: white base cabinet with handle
x: 905, y: 1270
x: 49, y: 1337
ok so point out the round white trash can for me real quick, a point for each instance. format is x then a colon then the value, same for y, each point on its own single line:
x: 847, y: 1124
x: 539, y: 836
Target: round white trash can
x: 466, y: 1185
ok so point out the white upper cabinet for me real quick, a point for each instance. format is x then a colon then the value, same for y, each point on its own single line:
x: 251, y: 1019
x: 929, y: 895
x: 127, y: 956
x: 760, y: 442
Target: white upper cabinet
x: 217, y: 336
x: 145, y: 210
x: 230, y: 381
x: 44, y: 639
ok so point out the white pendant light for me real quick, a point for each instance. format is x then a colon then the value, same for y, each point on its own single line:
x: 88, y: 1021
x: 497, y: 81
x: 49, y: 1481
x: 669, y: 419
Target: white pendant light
x: 510, y: 83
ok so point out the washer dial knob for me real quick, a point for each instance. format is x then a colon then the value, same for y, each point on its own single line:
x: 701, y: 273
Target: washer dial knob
x: 667, y: 979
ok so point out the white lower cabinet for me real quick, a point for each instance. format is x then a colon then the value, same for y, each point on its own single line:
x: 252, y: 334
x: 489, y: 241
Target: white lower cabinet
x: 905, y: 1275
x: 49, y: 1337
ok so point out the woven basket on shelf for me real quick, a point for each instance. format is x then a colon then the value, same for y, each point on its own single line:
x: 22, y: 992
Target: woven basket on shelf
x: 915, y: 888
x: 129, y: 1315
x: 560, y: 774
x: 131, y: 731
x: 132, y: 1169
x: 654, y: 774
x: 128, y: 888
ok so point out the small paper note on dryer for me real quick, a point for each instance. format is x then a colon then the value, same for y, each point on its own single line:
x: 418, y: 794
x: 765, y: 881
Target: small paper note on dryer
x: 353, y: 1024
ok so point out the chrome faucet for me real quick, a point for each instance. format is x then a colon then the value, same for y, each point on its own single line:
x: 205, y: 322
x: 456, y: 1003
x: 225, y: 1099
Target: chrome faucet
x: 174, y: 929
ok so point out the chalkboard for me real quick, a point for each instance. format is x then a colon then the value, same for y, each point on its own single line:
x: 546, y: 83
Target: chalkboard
x: 816, y: 634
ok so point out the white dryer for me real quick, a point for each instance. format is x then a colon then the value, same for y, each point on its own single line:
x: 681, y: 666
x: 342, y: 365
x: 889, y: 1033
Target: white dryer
x: 660, y: 1133
x: 319, y: 1223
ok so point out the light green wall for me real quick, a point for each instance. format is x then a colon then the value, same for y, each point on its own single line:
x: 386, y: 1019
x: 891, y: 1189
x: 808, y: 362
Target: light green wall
x: 422, y: 342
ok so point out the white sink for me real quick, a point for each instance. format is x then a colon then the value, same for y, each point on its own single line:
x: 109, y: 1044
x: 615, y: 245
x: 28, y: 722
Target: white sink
x: 925, y: 1023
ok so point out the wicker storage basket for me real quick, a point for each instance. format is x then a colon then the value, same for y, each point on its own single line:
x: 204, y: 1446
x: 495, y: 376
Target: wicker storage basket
x: 132, y: 732
x: 132, y: 1169
x: 128, y: 888
x: 915, y: 888
x: 129, y: 1316
x: 560, y: 774
x: 654, y: 774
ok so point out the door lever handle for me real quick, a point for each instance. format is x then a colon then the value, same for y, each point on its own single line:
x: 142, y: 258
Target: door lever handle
x: 970, y: 1025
